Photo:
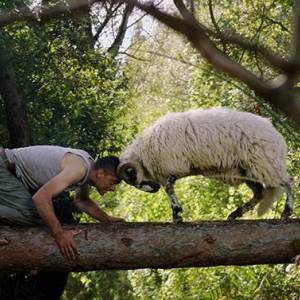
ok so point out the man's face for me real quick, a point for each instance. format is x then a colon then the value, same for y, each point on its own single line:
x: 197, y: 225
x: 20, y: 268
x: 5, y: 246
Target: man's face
x: 106, y: 181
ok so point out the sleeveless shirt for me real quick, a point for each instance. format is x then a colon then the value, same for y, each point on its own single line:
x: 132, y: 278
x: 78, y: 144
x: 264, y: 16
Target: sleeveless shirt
x: 36, y: 165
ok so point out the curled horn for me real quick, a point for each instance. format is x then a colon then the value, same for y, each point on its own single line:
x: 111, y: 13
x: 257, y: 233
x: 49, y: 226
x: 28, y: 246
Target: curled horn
x: 127, y: 171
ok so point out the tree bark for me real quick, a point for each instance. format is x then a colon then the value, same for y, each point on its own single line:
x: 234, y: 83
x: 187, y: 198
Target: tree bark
x: 155, y: 245
x: 116, y: 45
x: 14, y: 102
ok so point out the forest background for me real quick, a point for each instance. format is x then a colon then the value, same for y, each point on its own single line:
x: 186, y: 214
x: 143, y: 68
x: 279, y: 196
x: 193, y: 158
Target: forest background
x: 95, y: 81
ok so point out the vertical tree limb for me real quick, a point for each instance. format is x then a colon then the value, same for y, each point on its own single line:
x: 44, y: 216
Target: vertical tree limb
x: 14, y: 102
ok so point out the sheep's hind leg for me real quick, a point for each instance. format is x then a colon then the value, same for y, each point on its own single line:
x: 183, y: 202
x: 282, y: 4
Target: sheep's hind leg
x: 257, y: 189
x: 289, y: 203
x: 176, y: 208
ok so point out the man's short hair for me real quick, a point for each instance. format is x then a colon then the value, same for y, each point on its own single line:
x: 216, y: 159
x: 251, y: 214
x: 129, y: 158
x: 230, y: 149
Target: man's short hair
x: 108, y: 163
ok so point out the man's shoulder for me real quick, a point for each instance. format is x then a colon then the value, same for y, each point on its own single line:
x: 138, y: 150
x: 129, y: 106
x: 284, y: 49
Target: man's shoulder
x: 72, y: 165
x: 73, y: 160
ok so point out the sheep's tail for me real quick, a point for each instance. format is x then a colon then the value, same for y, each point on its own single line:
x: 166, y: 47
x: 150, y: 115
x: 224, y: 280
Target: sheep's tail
x: 270, y: 195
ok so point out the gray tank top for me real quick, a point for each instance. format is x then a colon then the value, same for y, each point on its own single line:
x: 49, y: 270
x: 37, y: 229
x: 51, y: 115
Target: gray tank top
x: 36, y: 165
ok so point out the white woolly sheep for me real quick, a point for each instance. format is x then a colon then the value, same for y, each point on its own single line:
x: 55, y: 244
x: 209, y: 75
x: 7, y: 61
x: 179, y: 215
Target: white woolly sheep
x: 232, y: 146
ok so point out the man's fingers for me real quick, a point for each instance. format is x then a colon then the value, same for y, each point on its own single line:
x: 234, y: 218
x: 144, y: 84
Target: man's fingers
x: 69, y: 253
x: 74, y: 251
x: 64, y: 252
x: 67, y: 244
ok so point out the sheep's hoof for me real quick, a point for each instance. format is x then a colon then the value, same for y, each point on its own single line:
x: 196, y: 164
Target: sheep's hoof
x: 177, y: 220
x: 232, y: 216
x: 235, y: 214
x: 285, y: 217
x: 286, y: 214
x: 177, y: 214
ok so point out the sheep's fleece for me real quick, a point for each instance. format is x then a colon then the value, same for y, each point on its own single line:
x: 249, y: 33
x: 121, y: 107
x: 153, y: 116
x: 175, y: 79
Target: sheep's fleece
x: 229, y: 145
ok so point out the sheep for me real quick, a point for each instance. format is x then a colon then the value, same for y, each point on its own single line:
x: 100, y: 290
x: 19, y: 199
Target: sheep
x: 232, y: 146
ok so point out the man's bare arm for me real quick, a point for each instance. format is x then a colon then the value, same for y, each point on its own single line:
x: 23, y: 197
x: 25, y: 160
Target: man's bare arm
x: 87, y: 205
x: 72, y: 172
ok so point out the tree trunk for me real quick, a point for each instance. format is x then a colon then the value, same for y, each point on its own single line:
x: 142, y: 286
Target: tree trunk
x: 116, y: 45
x: 19, y: 132
x: 155, y: 245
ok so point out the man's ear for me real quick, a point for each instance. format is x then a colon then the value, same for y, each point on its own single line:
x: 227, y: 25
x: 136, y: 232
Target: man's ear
x: 100, y: 173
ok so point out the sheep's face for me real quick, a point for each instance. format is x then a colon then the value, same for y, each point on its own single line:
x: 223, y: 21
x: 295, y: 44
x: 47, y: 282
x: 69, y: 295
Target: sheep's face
x: 135, y: 175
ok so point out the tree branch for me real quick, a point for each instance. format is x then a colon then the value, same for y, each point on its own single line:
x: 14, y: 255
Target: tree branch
x: 154, y: 245
x: 13, y: 98
x: 191, y: 29
x: 278, y: 23
x: 71, y: 7
x: 108, y: 17
x: 234, y: 38
x: 182, y: 9
x: 114, y: 48
x: 281, y: 94
x: 74, y: 7
x: 296, y: 37
x: 213, y: 20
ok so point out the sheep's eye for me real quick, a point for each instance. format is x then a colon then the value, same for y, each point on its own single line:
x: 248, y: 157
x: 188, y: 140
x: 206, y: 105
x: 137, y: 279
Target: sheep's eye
x: 129, y: 170
x: 131, y: 175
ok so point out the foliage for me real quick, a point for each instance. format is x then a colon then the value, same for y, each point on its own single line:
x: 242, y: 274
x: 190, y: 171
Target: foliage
x: 159, y: 82
x: 74, y: 97
x: 77, y: 96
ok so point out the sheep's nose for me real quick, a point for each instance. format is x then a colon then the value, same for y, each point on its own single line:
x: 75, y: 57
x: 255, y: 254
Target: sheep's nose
x: 155, y: 187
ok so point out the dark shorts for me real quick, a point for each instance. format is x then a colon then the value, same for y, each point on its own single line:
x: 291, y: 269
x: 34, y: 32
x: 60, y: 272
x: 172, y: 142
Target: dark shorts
x: 17, y: 206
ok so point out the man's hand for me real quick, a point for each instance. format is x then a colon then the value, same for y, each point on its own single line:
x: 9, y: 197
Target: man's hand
x: 84, y: 203
x: 66, y: 243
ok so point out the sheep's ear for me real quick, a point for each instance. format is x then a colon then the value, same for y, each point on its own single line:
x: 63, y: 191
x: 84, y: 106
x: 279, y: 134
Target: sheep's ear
x: 127, y: 172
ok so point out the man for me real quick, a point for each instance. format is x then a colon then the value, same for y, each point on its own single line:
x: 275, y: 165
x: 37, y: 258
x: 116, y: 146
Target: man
x: 31, y: 177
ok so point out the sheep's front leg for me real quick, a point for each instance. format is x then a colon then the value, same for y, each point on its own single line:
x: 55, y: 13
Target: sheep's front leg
x: 288, y: 208
x: 176, y: 208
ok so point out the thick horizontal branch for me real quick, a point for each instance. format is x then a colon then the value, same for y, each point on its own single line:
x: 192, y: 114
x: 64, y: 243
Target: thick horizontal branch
x: 155, y: 245
x: 284, y: 96
x: 231, y: 37
x: 194, y: 32
x: 61, y: 8
x: 74, y: 7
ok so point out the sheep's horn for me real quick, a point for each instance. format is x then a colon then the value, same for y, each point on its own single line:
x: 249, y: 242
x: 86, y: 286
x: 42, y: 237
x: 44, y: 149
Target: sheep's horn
x: 127, y: 171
